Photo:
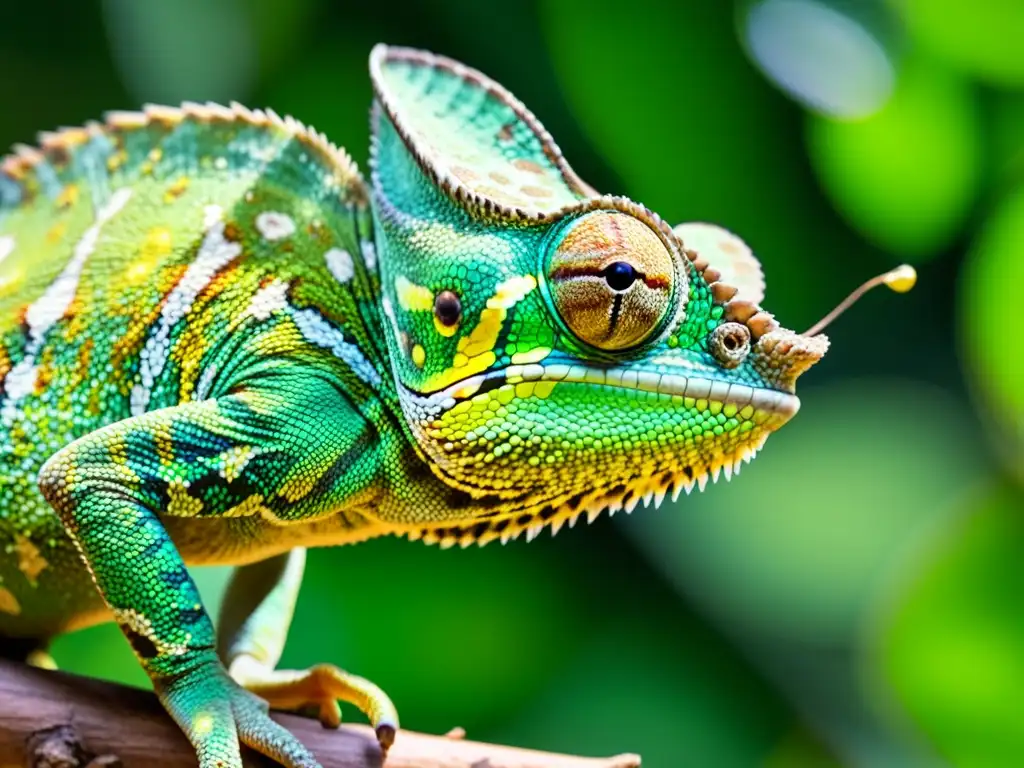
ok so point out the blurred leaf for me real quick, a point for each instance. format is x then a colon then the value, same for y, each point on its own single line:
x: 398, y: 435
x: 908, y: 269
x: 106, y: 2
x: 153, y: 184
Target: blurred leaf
x: 279, y: 27
x: 799, y: 749
x: 952, y: 645
x: 329, y: 89
x: 456, y: 637
x: 1006, y: 139
x: 907, y: 176
x: 648, y: 689
x: 832, y: 56
x: 993, y: 270
x: 188, y: 50
x: 794, y: 548
x: 982, y: 37
x: 99, y: 651
x: 695, y: 132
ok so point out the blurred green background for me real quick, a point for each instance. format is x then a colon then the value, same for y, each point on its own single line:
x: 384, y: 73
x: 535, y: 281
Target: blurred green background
x: 856, y: 596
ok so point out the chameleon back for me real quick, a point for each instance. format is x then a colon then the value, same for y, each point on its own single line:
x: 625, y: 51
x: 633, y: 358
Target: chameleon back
x: 151, y: 261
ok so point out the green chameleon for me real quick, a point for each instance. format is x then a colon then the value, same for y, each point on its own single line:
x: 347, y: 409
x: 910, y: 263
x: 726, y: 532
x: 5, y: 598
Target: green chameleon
x: 220, y: 345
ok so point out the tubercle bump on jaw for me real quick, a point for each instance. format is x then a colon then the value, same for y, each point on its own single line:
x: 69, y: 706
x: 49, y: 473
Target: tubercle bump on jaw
x: 627, y: 496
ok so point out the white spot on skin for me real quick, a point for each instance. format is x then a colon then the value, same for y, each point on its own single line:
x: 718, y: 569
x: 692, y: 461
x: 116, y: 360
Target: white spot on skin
x: 205, y: 383
x: 234, y: 460
x: 6, y: 246
x: 211, y: 215
x: 49, y: 308
x: 21, y: 380
x: 317, y: 330
x: 369, y: 255
x: 339, y: 261
x: 268, y: 300
x: 215, y: 253
x: 275, y: 226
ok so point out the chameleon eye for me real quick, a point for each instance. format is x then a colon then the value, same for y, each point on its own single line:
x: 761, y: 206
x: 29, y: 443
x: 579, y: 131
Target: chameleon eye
x: 611, y: 280
x: 730, y: 344
x: 620, y: 275
x: 447, y: 309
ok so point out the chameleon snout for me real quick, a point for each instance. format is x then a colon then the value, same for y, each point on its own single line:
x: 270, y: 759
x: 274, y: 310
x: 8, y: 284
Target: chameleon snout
x: 781, y: 356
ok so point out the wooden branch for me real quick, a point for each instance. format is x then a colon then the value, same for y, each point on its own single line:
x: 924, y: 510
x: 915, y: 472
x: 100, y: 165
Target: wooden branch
x: 59, y: 720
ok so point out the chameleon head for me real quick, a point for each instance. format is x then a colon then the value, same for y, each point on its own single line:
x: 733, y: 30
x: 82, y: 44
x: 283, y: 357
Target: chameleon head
x: 595, y: 369
x: 556, y: 352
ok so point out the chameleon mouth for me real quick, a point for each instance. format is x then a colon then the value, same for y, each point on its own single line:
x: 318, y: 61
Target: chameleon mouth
x: 651, y: 490
x: 762, y: 401
x: 762, y: 411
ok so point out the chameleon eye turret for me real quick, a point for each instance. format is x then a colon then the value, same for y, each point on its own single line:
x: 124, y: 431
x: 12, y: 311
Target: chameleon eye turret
x: 612, y: 281
x: 730, y: 344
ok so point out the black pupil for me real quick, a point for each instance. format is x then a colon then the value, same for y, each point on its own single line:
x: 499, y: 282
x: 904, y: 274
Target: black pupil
x: 619, y: 275
x: 447, y: 308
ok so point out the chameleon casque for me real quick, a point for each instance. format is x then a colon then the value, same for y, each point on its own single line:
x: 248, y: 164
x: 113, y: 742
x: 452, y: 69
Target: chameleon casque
x: 220, y: 345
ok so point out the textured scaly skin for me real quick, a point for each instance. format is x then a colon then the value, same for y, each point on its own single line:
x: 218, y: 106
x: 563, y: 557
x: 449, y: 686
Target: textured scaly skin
x: 220, y: 346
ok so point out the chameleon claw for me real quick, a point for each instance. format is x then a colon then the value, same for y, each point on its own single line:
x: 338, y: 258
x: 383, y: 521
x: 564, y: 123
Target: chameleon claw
x: 385, y: 737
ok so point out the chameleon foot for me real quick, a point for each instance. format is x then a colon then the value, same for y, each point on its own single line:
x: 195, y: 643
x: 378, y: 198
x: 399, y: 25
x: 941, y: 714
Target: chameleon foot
x: 320, y: 687
x: 40, y: 659
x: 217, y: 715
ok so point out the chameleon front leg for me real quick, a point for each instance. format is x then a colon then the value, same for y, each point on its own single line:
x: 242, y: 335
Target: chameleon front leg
x: 253, y: 626
x: 215, y: 458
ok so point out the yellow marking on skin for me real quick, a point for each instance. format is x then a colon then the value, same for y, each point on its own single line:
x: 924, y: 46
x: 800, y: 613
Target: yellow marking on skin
x: 525, y: 389
x: 445, y: 330
x: 67, y: 197
x: 511, y: 292
x: 181, y: 503
x: 12, y: 282
x: 177, y: 189
x: 116, y: 160
x: 30, y: 562
x: 412, y: 297
x: 535, y: 355
x: 251, y: 505
x: 297, y: 487
x: 9, y: 603
x: 164, y: 444
x: 234, y: 460
x: 119, y: 452
x: 544, y: 388
x: 419, y: 355
x: 202, y: 725
x: 475, y: 351
x: 155, y: 247
x: 56, y: 233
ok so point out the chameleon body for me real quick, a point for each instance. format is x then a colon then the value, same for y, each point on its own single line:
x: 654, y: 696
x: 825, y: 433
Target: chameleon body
x: 219, y: 344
